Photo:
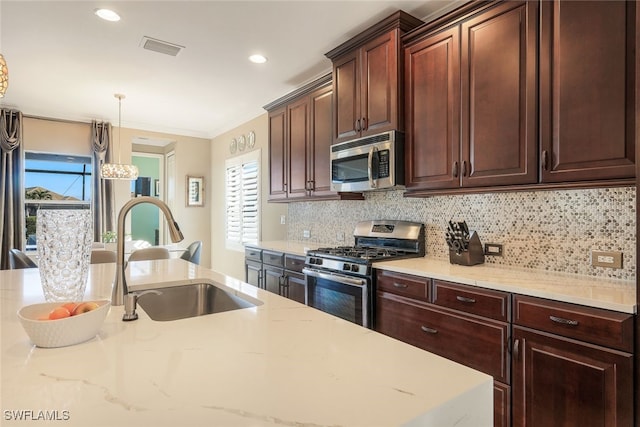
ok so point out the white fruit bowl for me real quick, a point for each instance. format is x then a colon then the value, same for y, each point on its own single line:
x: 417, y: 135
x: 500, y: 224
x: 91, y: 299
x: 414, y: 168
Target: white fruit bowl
x: 61, y: 332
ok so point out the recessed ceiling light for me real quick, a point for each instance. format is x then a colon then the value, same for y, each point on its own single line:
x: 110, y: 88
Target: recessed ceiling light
x: 258, y: 59
x: 107, y: 15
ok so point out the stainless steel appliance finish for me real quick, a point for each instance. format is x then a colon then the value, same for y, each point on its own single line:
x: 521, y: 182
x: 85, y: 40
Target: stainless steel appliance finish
x: 371, y: 163
x: 340, y: 280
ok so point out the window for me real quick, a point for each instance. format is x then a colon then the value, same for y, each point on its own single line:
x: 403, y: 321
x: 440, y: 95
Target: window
x: 242, y: 200
x: 54, y: 181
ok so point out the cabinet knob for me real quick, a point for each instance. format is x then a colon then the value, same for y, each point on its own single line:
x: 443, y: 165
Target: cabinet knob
x: 516, y: 348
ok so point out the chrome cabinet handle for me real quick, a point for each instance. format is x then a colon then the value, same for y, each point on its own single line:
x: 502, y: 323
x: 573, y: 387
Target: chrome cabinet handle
x: 564, y: 321
x: 428, y: 330
x: 516, y: 348
x: 400, y: 285
x: 465, y: 299
x: 455, y: 169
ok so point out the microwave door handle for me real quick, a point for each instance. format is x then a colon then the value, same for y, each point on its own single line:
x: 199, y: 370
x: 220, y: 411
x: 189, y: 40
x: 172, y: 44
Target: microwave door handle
x: 373, y: 181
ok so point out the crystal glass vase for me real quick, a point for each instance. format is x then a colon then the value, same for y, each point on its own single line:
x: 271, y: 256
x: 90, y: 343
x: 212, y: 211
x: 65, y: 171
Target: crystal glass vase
x: 64, y: 240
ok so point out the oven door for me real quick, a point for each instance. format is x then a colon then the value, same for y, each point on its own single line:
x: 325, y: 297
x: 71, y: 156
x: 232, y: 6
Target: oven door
x: 343, y: 296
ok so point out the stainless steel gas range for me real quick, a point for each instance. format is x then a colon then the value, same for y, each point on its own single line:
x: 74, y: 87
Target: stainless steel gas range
x: 341, y: 281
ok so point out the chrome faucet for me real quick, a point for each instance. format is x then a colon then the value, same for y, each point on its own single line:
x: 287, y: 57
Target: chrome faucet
x: 120, y: 289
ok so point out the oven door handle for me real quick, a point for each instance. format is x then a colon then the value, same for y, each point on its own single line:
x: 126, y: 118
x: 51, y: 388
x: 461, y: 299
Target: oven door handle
x: 334, y: 277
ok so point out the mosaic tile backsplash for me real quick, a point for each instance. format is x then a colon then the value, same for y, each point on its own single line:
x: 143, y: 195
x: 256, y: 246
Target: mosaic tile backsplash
x: 541, y: 230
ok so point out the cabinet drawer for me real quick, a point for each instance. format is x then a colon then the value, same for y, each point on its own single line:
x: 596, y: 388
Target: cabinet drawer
x: 293, y: 263
x: 253, y: 254
x: 479, y: 344
x: 483, y: 302
x: 273, y: 258
x: 403, y: 284
x: 594, y: 325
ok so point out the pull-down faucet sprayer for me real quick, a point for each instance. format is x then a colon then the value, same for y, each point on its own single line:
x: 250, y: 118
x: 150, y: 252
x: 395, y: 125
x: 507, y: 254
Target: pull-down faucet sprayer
x: 120, y: 289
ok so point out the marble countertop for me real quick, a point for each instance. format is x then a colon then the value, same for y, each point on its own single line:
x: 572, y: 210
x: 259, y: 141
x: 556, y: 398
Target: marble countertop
x: 609, y: 294
x: 618, y: 295
x: 280, y: 363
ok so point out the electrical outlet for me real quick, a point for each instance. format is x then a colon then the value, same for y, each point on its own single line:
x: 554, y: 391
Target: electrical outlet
x: 283, y: 219
x: 609, y: 259
x: 494, y: 249
x: 340, y: 236
x: 306, y: 234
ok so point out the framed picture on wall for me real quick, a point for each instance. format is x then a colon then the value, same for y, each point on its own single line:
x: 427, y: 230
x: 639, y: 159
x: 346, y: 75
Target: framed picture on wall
x: 195, y: 191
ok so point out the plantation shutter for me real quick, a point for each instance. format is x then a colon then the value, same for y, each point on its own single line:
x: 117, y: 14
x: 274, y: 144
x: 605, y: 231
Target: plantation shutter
x: 242, y: 201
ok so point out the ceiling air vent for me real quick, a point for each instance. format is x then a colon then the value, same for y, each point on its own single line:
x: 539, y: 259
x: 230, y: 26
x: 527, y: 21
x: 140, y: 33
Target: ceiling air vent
x: 161, y: 46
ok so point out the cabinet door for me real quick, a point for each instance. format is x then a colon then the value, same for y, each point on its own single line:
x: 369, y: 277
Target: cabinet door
x: 587, y: 87
x: 296, y: 287
x: 321, y: 140
x: 298, y: 130
x: 379, y: 85
x: 432, y: 76
x: 273, y: 278
x: 346, y: 83
x: 562, y: 382
x: 498, y: 60
x: 277, y: 154
x: 501, y: 405
x: 253, y: 273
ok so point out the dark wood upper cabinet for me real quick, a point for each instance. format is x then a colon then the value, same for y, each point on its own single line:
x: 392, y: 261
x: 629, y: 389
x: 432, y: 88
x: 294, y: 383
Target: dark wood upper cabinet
x: 277, y: 153
x: 499, y: 96
x: 298, y: 132
x: 321, y: 104
x: 471, y: 101
x: 587, y: 86
x: 432, y: 76
x: 300, y: 136
x: 367, y: 79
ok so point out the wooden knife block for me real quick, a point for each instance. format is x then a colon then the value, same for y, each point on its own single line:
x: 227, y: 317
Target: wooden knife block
x: 472, y: 256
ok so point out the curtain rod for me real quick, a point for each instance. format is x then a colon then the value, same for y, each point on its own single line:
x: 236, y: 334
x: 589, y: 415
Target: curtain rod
x: 29, y: 116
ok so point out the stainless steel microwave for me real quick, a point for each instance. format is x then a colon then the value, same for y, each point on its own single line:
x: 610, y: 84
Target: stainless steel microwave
x: 370, y: 163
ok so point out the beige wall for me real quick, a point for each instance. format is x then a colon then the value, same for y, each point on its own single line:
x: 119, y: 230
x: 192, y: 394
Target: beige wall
x: 192, y: 158
x: 231, y: 262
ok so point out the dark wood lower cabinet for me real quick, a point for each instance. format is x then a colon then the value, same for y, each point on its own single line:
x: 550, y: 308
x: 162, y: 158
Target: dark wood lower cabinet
x: 473, y: 341
x: 501, y: 404
x: 563, y: 382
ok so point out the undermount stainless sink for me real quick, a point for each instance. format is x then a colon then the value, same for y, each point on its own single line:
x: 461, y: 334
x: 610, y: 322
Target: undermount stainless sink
x: 180, y: 302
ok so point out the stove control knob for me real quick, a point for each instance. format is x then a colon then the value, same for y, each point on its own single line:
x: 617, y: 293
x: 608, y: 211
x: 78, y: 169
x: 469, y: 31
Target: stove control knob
x: 346, y: 267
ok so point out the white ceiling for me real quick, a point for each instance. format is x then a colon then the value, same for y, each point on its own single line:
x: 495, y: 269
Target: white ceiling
x: 66, y: 63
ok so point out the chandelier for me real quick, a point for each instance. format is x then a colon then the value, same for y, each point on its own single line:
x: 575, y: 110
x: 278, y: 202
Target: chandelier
x: 4, y: 76
x: 119, y: 170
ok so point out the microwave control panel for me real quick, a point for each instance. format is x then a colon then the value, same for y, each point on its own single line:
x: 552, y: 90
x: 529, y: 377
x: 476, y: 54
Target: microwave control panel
x: 383, y: 164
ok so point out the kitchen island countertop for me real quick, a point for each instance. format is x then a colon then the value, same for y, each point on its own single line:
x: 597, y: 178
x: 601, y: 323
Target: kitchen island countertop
x: 280, y: 363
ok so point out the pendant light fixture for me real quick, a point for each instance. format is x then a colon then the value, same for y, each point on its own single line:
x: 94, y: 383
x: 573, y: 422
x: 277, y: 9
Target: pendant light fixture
x: 4, y: 76
x: 119, y: 170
